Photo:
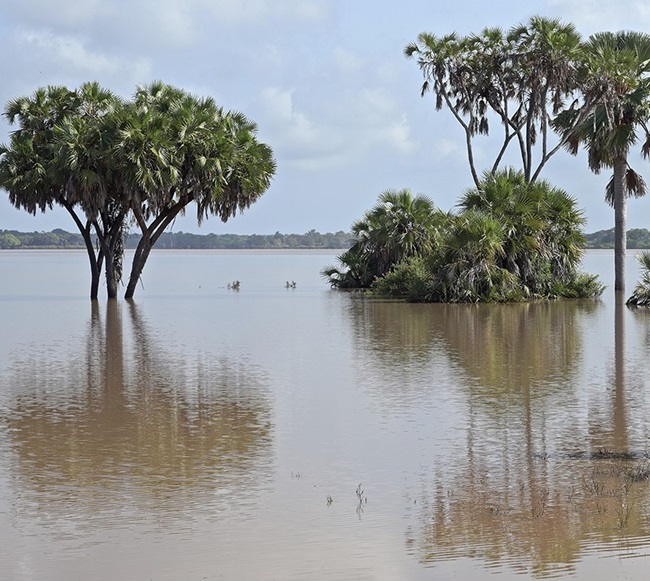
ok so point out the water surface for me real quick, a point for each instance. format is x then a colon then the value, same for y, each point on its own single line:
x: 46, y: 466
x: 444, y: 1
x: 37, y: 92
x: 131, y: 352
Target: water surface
x: 281, y: 433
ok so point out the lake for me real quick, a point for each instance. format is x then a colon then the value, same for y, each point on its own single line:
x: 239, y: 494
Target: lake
x: 202, y: 432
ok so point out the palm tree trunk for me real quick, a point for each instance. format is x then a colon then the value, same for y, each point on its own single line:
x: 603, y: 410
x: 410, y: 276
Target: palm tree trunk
x: 150, y: 235
x: 95, y: 261
x: 137, y: 266
x: 620, y: 223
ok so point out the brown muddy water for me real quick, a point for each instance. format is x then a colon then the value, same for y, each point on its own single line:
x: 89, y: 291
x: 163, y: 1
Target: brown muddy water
x: 302, y: 433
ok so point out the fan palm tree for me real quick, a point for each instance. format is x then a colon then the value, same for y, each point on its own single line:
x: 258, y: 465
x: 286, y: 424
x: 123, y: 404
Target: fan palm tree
x: 641, y: 295
x: 52, y: 158
x: 524, y: 77
x: 543, y: 243
x: 616, y: 88
x: 398, y: 227
x: 174, y: 149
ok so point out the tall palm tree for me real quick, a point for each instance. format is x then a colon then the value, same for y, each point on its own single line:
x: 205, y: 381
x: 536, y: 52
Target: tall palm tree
x: 615, y: 86
x: 174, y: 149
x: 523, y: 77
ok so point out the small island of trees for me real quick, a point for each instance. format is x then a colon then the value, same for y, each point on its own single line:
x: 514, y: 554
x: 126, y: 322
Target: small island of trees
x: 511, y: 241
x: 516, y: 237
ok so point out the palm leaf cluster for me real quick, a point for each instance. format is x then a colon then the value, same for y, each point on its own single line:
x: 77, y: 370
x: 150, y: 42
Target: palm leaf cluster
x: 399, y: 227
x: 521, y: 78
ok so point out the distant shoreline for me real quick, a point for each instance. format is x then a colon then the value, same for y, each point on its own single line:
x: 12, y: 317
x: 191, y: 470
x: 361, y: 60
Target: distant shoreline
x: 637, y: 239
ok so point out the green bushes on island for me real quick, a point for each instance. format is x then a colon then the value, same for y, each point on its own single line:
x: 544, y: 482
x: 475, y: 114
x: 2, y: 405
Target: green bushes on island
x: 510, y: 241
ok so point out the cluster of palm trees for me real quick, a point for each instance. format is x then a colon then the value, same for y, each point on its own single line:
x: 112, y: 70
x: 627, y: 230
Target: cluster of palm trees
x: 114, y: 163
x: 511, y: 240
x: 541, y: 79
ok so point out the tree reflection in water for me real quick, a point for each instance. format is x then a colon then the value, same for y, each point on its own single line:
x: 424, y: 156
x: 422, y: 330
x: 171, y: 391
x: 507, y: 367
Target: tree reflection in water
x: 121, y: 424
x: 551, y: 468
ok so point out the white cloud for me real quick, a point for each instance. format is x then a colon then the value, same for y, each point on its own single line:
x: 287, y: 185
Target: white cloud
x: 262, y: 10
x: 304, y: 142
x: 67, y: 50
x: 347, y: 61
x: 445, y: 147
x: 398, y: 135
x: 592, y: 16
x: 63, y: 58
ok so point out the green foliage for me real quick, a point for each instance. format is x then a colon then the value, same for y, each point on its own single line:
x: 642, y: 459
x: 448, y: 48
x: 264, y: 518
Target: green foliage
x: 109, y: 161
x: 310, y: 240
x: 641, y: 295
x: 399, y: 227
x: 512, y: 241
x: 469, y: 267
x: 637, y: 238
x: 410, y: 279
x: 521, y: 78
x: 9, y: 240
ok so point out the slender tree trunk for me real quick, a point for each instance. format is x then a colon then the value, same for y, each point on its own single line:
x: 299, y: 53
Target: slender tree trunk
x: 110, y: 239
x: 139, y: 260
x: 111, y: 279
x: 95, y: 262
x: 620, y: 223
x: 150, y: 235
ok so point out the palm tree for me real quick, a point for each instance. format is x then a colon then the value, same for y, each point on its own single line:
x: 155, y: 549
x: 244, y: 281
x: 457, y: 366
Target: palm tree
x: 52, y: 158
x: 398, y: 227
x: 543, y: 243
x: 641, y: 295
x: 175, y: 149
x: 615, y: 90
x: 83, y: 153
x: 524, y: 77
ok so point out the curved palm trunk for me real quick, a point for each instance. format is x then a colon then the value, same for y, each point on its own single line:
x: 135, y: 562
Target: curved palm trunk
x: 620, y: 223
x: 94, y: 259
x: 150, y: 235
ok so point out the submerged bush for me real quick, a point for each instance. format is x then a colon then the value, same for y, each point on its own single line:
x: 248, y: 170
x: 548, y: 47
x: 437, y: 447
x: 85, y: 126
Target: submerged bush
x: 410, y: 280
x: 511, y: 241
x: 641, y: 295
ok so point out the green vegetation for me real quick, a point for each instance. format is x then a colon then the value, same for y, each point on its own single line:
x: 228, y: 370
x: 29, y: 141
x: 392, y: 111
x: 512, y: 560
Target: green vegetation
x: 538, y: 77
x: 522, y: 78
x: 116, y: 164
x: 10, y: 239
x: 615, y: 87
x: 111, y: 163
x: 512, y: 240
x: 399, y: 227
x: 637, y: 238
x: 641, y: 295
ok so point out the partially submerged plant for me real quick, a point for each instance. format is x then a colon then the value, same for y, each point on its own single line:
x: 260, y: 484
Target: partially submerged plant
x: 641, y: 295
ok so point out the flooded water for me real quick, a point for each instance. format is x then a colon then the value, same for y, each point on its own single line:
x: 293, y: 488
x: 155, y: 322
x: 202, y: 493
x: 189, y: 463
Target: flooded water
x: 302, y: 433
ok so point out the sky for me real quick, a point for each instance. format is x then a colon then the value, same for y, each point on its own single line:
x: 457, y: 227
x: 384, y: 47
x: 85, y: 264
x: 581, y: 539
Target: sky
x: 326, y: 81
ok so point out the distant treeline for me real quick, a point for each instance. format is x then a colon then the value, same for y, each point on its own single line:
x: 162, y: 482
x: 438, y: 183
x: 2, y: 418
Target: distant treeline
x: 636, y: 238
x: 61, y: 239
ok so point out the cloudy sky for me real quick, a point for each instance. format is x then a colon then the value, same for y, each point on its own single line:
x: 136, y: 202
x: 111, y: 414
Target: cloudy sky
x: 325, y: 80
